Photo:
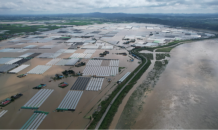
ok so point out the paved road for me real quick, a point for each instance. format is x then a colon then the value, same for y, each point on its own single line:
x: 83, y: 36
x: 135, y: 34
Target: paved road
x: 105, y: 113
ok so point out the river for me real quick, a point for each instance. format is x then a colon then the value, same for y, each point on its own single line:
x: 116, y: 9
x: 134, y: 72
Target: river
x: 186, y: 93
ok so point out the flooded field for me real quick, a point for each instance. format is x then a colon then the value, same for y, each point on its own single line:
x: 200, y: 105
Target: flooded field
x: 185, y: 95
x: 16, y: 117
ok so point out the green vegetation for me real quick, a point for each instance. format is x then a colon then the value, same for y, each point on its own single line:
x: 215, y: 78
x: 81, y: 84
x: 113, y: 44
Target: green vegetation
x: 68, y: 72
x: 167, y: 49
x: 104, y: 104
x: 19, y: 29
x: 120, y: 68
x: 148, y: 55
x: 161, y: 56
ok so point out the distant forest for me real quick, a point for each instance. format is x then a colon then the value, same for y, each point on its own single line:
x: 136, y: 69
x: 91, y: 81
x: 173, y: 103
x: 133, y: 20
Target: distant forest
x: 200, y: 21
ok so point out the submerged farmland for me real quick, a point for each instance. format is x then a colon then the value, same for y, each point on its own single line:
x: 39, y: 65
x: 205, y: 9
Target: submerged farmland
x: 93, y: 60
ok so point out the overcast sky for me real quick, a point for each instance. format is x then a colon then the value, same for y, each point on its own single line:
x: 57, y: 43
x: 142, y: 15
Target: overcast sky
x: 107, y: 6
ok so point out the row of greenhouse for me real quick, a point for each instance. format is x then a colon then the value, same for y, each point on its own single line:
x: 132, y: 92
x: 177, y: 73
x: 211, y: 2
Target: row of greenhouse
x: 70, y: 101
x: 95, y: 84
x: 38, y: 99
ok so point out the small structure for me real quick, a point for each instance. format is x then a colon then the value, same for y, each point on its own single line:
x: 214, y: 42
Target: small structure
x: 40, y: 86
x: 22, y: 75
x: 63, y: 84
x: 9, y: 100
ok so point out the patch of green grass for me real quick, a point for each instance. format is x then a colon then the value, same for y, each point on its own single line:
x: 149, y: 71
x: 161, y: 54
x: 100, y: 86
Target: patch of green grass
x: 120, y: 68
x: 18, y: 28
x: 148, y: 55
x: 161, y: 56
x: 167, y: 49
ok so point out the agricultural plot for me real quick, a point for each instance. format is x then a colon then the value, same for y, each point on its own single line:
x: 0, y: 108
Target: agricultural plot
x: 87, y: 51
x: 13, y: 50
x: 46, y: 47
x: 71, y: 62
x: 107, y: 47
x: 33, y: 55
x: 108, y: 35
x: 95, y: 84
x: 156, y: 27
x: 100, y: 43
x: 114, y: 71
x: 78, y: 55
x: 13, y: 61
x: 150, y: 28
x: 53, y: 61
x: 54, y: 55
x: 94, y: 63
x: 89, y: 41
x: 6, y: 68
x: 3, y: 112
x: 114, y: 63
x: 34, y: 121
x: 72, y: 40
x: 22, y: 61
x: 90, y: 47
x: 73, y: 46
x: 30, y: 46
x: 70, y: 101
x: 19, y: 44
x: 40, y: 69
x: 45, y: 55
x: 124, y: 77
x: 26, y: 55
x: 18, y: 69
x: 97, y: 70
x: 61, y: 51
x: 69, y: 51
x: 88, y: 56
x: 80, y: 83
x: 69, y: 44
x: 5, y: 60
x: 49, y: 55
x: 105, y: 62
x: 38, y: 99
x: 62, y: 62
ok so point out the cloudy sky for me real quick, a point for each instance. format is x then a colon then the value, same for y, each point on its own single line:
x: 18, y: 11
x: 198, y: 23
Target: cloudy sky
x: 107, y: 6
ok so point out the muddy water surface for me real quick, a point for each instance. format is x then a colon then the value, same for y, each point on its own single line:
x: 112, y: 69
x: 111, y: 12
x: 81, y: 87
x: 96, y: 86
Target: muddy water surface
x: 186, y: 94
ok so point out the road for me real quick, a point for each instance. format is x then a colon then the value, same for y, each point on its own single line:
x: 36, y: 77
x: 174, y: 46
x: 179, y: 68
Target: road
x: 105, y: 113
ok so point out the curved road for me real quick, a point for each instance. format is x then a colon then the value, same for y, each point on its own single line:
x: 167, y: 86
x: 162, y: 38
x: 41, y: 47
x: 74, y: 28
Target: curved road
x: 105, y: 113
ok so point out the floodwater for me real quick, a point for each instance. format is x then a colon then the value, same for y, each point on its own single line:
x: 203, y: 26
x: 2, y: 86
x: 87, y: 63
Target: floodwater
x: 10, y: 84
x: 185, y: 97
x: 15, y: 118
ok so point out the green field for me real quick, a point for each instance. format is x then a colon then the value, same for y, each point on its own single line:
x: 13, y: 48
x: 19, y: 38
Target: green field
x: 167, y: 49
x: 18, y: 28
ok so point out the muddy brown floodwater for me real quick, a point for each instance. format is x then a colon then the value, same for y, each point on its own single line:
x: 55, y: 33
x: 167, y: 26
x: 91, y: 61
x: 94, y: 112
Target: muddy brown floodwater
x: 15, y: 118
x: 185, y: 95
